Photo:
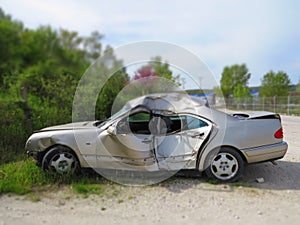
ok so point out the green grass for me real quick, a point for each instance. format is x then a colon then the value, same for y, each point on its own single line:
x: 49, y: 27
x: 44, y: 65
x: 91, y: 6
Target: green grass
x: 24, y: 177
x: 212, y: 181
x: 87, y: 189
x: 21, y: 177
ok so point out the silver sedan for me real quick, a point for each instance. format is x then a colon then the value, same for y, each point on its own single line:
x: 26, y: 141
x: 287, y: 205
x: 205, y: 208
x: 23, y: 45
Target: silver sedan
x: 163, y: 132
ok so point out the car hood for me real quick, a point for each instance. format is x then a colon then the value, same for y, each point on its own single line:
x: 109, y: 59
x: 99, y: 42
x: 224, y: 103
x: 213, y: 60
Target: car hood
x: 70, y: 126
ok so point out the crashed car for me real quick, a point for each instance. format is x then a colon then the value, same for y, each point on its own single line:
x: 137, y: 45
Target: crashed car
x: 163, y: 132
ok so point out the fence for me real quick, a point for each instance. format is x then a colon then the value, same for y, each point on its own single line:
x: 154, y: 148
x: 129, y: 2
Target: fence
x: 289, y: 105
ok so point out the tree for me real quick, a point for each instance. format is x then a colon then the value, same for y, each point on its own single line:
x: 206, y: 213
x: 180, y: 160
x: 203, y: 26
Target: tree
x: 235, y: 77
x: 156, y: 68
x: 10, y: 45
x: 275, y: 84
x: 155, y: 76
x: 162, y: 70
x: 145, y: 72
x: 93, y: 46
x: 39, y: 73
x: 113, y: 85
x: 107, y: 102
x: 241, y: 92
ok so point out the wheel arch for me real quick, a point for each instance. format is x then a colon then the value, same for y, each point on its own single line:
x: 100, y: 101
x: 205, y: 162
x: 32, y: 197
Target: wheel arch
x: 52, y: 147
x: 203, y: 158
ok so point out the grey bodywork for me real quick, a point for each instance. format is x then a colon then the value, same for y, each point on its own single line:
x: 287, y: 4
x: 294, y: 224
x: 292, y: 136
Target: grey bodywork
x: 103, y: 146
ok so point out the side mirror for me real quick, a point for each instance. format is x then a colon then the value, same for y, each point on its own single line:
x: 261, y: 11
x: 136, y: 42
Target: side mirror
x: 111, y: 130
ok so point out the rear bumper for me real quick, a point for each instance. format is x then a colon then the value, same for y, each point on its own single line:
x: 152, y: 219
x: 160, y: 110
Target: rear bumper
x: 265, y: 153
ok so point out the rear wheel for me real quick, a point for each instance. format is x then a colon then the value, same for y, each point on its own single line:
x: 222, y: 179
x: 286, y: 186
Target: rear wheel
x: 226, y: 166
x: 61, y: 160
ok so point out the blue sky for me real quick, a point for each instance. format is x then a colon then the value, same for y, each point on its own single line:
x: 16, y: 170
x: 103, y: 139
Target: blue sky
x: 264, y: 34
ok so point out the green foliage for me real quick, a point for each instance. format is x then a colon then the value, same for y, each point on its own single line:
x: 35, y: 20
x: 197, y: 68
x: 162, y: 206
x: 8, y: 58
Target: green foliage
x: 153, y: 77
x: 275, y: 84
x: 108, y: 94
x: 39, y: 73
x: 10, y: 43
x: 235, y: 77
x: 13, y: 129
x: 241, y: 92
x: 162, y: 70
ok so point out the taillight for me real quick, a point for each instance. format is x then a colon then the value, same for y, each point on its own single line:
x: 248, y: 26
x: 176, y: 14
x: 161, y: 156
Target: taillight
x: 279, y: 133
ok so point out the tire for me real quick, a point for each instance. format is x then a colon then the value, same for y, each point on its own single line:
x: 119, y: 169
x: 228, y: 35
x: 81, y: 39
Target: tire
x: 226, y: 166
x: 61, y: 160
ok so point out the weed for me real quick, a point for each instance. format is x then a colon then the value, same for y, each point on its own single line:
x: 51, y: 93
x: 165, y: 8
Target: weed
x: 33, y: 197
x: 130, y: 197
x: 115, y: 193
x: 86, y: 189
x: 212, y: 181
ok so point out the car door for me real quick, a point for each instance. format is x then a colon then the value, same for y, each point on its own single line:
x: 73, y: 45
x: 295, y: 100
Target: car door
x: 128, y: 144
x: 182, y: 141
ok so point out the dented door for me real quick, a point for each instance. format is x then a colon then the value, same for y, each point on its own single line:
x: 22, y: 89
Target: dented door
x: 182, y: 141
x: 128, y: 142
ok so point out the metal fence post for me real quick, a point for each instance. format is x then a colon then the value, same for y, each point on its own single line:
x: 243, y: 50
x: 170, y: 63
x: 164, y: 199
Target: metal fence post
x: 288, y: 105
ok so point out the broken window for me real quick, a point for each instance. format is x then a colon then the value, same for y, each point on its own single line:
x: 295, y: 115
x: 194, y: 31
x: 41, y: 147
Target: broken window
x: 183, y: 122
x: 137, y: 123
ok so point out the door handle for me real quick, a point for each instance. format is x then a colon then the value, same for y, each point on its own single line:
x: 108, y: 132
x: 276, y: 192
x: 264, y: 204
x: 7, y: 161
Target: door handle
x: 146, y: 140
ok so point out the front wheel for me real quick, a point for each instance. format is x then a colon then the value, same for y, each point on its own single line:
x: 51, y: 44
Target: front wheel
x: 61, y: 160
x: 226, y: 166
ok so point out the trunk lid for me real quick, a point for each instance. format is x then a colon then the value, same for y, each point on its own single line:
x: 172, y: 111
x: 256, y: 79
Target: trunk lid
x: 256, y: 115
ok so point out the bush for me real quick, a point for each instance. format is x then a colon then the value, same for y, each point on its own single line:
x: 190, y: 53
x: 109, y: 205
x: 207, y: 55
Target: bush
x: 13, y: 131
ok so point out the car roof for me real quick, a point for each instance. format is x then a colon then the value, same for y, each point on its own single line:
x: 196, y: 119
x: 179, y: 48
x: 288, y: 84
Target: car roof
x: 178, y: 103
x: 168, y: 102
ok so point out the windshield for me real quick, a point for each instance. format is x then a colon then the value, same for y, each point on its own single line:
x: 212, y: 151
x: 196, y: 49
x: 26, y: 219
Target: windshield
x: 116, y: 115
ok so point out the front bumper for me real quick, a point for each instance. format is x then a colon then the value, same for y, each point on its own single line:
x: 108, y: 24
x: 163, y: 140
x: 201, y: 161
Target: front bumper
x: 265, y: 153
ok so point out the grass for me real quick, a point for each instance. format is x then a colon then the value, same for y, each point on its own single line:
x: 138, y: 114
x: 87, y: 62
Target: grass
x: 24, y: 177
x: 212, y: 181
x: 86, y: 189
x: 20, y: 177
